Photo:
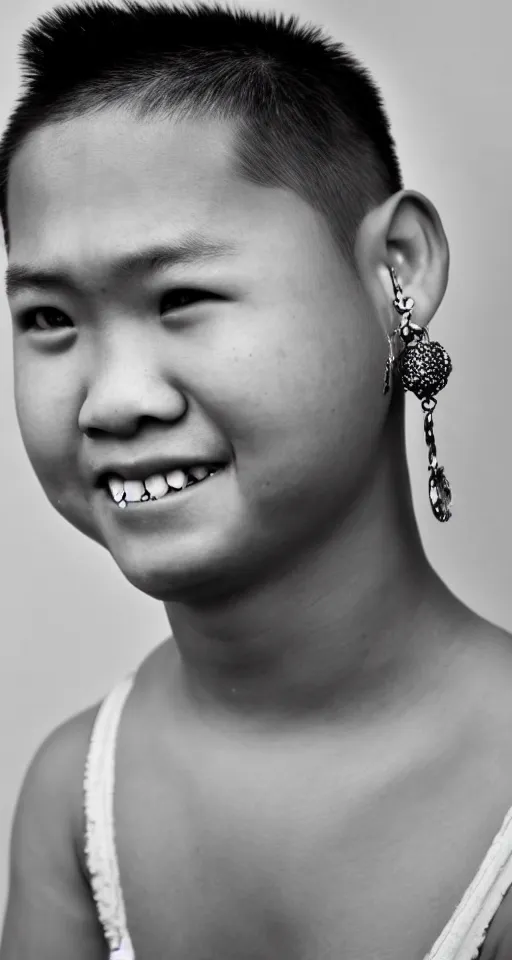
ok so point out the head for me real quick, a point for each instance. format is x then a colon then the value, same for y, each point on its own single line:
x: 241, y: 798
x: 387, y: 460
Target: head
x: 199, y: 208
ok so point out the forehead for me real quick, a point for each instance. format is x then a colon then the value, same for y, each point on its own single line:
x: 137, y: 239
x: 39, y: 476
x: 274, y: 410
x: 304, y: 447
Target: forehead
x: 109, y: 171
x: 94, y: 186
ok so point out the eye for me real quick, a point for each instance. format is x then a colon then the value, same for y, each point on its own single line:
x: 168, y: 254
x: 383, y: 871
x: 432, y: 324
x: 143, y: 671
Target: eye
x: 43, y: 319
x: 184, y: 297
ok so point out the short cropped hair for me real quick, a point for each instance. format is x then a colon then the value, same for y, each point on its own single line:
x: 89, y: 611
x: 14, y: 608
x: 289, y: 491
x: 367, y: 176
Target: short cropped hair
x: 307, y: 115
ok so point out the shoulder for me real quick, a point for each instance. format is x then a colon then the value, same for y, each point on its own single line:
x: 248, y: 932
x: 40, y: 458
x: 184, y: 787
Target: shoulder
x: 50, y: 799
x: 50, y: 912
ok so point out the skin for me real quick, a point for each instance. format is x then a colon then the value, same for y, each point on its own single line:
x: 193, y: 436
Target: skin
x: 302, y: 605
x: 284, y: 377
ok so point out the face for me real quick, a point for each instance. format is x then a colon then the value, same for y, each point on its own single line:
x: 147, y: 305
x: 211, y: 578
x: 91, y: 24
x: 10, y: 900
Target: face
x: 166, y: 310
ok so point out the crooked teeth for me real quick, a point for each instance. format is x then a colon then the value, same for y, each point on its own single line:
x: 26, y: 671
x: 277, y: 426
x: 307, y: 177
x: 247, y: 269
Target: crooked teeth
x: 199, y: 472
x: 176, y: 479
x: 157, y: 486
x: 133, y: 490
x: 116, y: 487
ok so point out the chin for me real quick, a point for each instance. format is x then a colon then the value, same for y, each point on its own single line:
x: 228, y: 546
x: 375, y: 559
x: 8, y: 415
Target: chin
x: 189, y: 584
x: 206, y: 572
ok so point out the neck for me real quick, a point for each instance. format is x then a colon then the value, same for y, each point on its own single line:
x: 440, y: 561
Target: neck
x: 354, y: 629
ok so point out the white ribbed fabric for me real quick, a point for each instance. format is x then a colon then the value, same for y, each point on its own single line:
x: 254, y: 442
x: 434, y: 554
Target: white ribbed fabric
x: 461, y: 938
x: 465, y: 932
x: 100, y: 850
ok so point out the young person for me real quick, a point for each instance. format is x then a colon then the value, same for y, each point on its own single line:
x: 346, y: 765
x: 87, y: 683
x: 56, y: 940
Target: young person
x: 213, y: 265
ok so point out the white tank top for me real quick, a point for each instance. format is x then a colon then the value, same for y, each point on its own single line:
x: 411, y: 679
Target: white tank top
x: 461, y: 938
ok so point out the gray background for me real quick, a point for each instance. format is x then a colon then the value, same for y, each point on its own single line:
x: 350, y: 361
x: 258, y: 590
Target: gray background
x: 70, y: 626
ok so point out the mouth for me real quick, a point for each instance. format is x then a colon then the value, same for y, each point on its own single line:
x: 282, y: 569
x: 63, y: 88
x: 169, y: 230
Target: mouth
x: 159, y: 486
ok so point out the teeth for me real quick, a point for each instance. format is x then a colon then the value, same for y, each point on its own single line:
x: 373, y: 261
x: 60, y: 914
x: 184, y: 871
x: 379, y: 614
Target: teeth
x: 133, y: 490
x: 199, y: 472
x: 157, y: 486
x: 116, y: 487
x: 176, y: 479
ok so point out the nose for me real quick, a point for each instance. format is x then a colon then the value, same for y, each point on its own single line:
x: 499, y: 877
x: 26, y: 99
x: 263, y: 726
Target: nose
x: 126, y: 386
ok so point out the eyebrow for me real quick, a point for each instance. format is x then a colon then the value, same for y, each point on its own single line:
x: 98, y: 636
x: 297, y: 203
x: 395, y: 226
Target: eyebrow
x: 192, y: 249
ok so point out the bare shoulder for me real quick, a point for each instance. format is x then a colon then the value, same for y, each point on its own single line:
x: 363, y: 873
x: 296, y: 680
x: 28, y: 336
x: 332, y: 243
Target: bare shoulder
x: 51, y: 791
x: 50, y: 912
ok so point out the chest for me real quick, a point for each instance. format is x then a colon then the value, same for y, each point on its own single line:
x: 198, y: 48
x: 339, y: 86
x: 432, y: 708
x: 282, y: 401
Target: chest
x: 231, y: 856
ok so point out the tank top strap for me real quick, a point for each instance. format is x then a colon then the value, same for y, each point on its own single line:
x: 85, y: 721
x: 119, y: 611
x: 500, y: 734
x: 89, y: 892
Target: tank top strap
x: 100, y: 850
x: 465, y: 932
x: 461, y: 938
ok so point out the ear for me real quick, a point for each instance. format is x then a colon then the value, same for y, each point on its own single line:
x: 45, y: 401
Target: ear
x: 405, y: 232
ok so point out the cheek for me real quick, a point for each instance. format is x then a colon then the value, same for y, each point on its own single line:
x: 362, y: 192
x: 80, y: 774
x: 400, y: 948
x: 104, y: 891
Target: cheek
x: 307, y: 390
x: 304, y: 411
x: 43, y: 410
x: 48, y: 429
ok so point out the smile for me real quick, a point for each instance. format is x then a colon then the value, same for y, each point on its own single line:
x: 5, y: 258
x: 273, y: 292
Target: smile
x: 158, y: 486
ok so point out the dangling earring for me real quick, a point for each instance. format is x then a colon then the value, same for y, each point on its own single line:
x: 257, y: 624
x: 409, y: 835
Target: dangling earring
x: 423, y: 367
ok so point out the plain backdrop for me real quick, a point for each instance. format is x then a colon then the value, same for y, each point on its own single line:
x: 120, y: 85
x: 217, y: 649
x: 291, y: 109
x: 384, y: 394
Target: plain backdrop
x: 70, y: 625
